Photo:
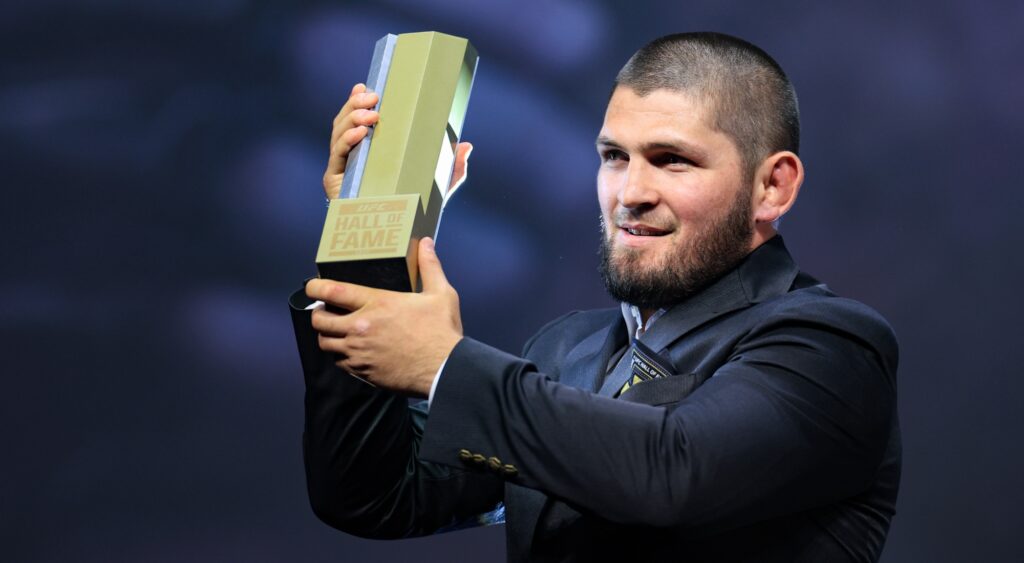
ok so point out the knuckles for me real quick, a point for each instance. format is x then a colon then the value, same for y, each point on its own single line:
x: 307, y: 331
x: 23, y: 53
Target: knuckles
x: 331, y: 291
x: 324, y: 290
x: 362, y: 326
x: 452, y: 294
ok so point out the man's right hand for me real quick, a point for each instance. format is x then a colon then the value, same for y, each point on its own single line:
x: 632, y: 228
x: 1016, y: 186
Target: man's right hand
x: 350, y: 126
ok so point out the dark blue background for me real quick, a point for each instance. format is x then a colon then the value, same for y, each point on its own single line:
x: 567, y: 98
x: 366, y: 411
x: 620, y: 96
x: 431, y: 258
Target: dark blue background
x: 161, y: 172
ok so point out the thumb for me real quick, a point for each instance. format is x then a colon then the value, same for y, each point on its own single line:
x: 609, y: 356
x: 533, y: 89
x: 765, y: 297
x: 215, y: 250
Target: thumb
x: 430, y: 267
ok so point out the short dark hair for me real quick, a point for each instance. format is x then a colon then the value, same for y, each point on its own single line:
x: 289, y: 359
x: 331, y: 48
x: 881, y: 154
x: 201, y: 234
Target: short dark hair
x: 749, y: 96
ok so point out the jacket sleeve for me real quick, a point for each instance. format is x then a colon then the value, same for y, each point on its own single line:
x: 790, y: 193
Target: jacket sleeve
x: 798, y: 417
x: 360, y: 446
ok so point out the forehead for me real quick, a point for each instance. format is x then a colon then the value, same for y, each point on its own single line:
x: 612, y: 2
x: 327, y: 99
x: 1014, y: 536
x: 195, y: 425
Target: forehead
x: 634, y: 119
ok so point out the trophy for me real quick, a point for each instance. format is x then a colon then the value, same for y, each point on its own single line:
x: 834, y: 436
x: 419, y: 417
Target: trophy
x: 396, y: 178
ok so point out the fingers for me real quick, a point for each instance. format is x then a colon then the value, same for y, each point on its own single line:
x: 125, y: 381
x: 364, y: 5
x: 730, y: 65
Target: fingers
x: 344, y: 335
x: 356, y: 116
x: 358, y: 99
x: 339, y: 158
x: 433, y: 276
x: 342, y: 347
x: 346, y: 108
x: 350, y: 126
x: 339, y: 326
x: 461, y: 169
x: 346, y: 296
x: 328, y: 324
x: 349, y: 130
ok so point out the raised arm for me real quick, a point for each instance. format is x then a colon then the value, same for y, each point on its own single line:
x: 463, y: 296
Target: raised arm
x: 360, y: 447
x: 361, y: 443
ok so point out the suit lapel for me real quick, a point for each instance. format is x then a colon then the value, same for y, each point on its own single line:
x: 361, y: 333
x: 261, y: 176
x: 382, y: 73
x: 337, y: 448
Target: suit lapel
x: 723, y: 297
x: 586, y: 364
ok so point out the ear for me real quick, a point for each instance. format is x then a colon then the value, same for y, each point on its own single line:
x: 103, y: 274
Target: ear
x: 776, y: 185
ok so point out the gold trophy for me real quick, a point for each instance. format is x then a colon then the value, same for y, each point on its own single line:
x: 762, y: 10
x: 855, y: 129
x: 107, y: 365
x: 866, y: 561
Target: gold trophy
x: 396, y: 179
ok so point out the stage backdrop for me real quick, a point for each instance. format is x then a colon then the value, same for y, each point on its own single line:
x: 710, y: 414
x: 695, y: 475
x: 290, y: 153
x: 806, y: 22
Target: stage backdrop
x: 161, y: 198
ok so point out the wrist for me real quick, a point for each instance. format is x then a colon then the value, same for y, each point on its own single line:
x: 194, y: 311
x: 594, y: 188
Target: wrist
x: 428, y: 384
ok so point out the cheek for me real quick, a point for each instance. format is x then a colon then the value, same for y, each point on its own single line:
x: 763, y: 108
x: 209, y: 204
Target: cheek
x: 689, y: 209
x: 701, y: 202
x: 606, y: 195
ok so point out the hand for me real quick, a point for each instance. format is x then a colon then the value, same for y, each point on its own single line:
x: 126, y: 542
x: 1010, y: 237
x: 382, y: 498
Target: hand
x: 352, y: 124
x: 394, y: 340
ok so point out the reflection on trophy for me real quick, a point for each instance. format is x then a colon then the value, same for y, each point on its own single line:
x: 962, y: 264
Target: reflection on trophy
x: 396, y: 179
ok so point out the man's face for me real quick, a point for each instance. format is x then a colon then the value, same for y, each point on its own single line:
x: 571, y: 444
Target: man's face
x: 674, y: 201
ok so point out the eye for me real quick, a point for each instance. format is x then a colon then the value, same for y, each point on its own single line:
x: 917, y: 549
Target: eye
x: 671, y: 159
x: 612, y: 155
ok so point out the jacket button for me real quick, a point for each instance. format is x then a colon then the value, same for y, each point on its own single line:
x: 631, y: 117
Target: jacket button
x: 494, y: 463
x: 509, y: 470
x: 465, y: 455
x: 478, y: 459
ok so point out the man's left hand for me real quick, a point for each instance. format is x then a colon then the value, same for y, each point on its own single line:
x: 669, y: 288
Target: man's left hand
x: 394, y: 340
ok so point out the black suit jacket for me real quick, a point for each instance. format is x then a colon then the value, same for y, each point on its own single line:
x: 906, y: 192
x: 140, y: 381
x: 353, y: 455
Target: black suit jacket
x: 775, y: 439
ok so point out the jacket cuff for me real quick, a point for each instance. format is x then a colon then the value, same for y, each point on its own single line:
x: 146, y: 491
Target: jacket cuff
x: 466, y: 411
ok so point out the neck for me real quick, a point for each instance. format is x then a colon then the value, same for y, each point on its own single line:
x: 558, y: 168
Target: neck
x: 763, y: 232
x: 645, y: 315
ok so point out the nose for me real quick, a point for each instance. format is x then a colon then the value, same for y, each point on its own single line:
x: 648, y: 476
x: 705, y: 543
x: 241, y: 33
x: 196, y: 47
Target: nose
x: 638, y: 193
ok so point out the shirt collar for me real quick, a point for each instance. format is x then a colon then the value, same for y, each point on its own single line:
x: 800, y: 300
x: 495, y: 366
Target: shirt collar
x: 634, y: 320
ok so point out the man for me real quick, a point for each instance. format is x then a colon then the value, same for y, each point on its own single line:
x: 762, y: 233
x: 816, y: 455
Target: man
x: 733, y: 409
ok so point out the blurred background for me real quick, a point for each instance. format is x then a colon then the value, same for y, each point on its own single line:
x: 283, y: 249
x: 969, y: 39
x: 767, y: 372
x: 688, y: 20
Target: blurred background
x: 161, y: 167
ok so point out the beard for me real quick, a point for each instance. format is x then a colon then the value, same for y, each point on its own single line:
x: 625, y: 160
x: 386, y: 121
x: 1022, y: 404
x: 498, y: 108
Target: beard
x: 692, y: 266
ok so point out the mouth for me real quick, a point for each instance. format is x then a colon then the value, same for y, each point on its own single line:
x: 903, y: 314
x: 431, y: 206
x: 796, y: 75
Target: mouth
x: 640, y: 230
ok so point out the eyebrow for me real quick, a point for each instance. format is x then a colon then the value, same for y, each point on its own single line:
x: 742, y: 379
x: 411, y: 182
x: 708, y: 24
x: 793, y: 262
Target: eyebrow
x: 674, y: 145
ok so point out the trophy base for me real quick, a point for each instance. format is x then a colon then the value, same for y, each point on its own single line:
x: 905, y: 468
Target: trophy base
x: 382, y: 273
x: 373, y: 241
